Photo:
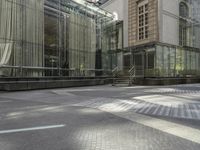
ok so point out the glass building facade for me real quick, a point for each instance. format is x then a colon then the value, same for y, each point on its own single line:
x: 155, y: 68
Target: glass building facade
x: 56, y: 38
x: 162, y: 60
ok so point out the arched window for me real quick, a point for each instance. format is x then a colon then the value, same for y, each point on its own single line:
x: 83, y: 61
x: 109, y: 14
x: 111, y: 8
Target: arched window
x: 183, y: 29
x: 183, y: 10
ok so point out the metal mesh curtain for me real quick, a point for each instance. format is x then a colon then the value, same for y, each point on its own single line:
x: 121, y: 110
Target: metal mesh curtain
x: 21, y: 36
x: 53, y: 38
x: 82, y: 45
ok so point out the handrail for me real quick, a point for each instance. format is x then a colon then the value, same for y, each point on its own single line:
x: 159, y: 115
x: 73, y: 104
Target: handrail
x: 131, y: 75
x: 132, y: 69
x: 49, y: 68
x: 115, y: 71
x: 114, y: 74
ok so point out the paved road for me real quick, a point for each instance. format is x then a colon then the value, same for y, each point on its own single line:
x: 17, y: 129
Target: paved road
x: 102, y: 118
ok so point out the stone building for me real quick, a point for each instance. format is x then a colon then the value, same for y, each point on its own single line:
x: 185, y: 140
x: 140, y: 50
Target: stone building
x: 163, y: 37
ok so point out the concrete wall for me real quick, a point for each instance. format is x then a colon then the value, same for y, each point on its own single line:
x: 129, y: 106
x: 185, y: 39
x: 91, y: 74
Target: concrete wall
x: 169, y: 21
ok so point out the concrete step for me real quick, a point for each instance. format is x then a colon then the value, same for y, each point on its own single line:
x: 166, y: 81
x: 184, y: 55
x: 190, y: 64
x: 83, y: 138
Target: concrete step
x: 120, y: 85
x: 45, y: 84
x: 123, y: 81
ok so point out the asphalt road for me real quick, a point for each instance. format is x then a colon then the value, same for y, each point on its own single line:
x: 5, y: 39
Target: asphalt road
x: 102, y: 118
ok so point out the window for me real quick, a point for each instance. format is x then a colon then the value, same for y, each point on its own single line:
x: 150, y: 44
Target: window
x: 183, y: 29
x: 183, y: 10
x: 143, y: 20
x: 150, y: 60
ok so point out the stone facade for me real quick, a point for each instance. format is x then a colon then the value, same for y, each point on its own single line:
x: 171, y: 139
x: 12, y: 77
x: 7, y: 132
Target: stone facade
x: 133, y: 39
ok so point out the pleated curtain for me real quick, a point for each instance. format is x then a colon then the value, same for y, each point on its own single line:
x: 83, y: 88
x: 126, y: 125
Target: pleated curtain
x: 82, y: 45
x: 21, y: 36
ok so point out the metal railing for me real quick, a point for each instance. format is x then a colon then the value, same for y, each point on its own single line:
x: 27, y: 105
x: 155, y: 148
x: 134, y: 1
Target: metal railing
x: 131, y: 75
x: 115, y: 72
x: 76, y: 71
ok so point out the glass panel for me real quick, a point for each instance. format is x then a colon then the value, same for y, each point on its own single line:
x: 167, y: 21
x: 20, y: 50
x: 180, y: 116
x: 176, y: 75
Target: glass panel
x: 51, y: 41
x: 139, y: 64
x: 166, y: 61
x: 193, y: 63
x: 179, y: 62
x: 150, y: 58
x: 172, y: 61
x: 150, y: 63
x: 176, y: 62
x: 159, y: 61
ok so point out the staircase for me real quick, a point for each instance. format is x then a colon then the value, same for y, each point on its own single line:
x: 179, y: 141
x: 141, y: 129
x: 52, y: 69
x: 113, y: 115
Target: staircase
x: 123, y: 78
x: 121, y: 81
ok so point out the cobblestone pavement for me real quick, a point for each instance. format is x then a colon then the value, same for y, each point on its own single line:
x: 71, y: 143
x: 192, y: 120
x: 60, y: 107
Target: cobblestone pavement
x: 102, y: 118
x: 170, y: 108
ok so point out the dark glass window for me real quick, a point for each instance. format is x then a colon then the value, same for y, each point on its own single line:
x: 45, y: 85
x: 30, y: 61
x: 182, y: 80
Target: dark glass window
x: 150, y: 58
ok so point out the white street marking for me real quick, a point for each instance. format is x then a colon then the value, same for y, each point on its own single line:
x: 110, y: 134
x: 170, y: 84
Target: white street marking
x: 30, y: 129
x: 5, y: 101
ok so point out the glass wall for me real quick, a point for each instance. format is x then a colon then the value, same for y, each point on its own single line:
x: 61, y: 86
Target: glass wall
x: 56, y: 38
x: 112, y: 43
x: 177, y: 62
x: 150, y: 62
x: 162, y: 60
